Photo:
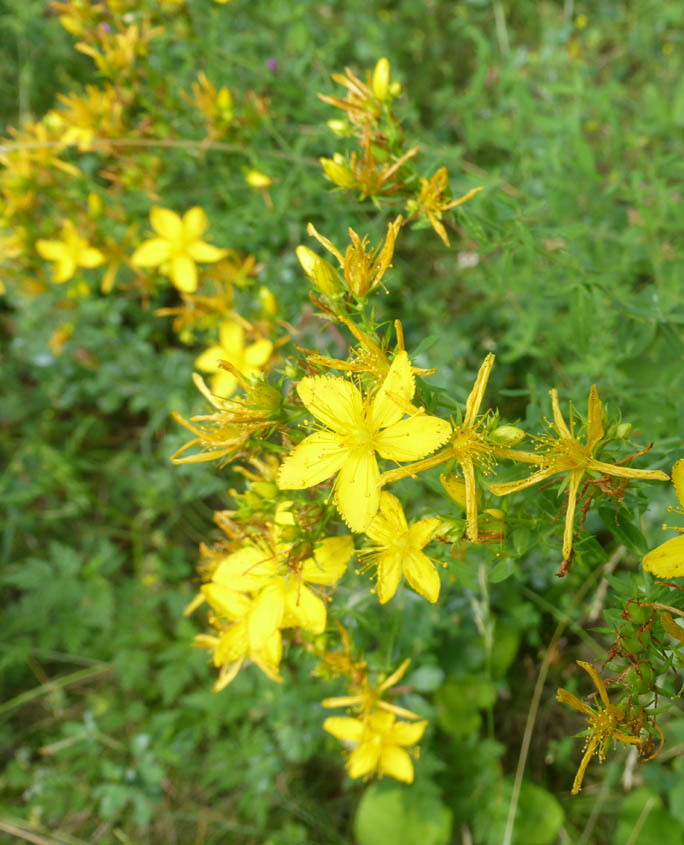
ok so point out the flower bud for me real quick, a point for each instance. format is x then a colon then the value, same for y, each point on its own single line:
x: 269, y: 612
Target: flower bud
x: 320, y: 271
x: 338, y: 173
x: 339, y: 127
x: 259, y: 181
x: 265, y: 396
x: 507, y: 435
x: 623, y: 431
x: 268, y: 301
x: 381, y: 79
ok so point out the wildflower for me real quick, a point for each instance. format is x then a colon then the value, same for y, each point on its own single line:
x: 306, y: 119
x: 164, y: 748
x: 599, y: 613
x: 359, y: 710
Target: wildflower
x: 258, y: 180
x: 279, y: 571
x: 355, y: 428
x: 604, y: 723
x: 432, y: 201
x: 363, y: 268
x: 222, y: 434
x: 469, y: 446
x: 178, y: 246
x: 399, y: 547
x: 248, y: 360
x: 563, y: 452
x: 380, y: 744
x: 68, y: 254
x: 97, y: 113
x: 667, y: 560
x: 240, y: 636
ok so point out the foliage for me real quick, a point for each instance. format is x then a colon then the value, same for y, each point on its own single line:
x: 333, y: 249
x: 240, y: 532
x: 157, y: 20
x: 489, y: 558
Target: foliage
x: 171, y: 188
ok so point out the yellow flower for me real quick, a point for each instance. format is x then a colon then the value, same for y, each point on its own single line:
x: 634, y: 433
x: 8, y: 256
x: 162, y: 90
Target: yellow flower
x: 369, y: 698
x: 604, y: 723
x: 355, y: 428
x: 179, y: 246
x: 279, y: 571
x: 381, y: 79
x: 363, y: 268
x: 71, y: 252
x: 241, y: 636
x: 432, y: 201
x: 469, y: 447
x: 380, y: 744
x: 248, y: 360
x: 398, y: 547
x: 563, y: 452
x: 667, y: 560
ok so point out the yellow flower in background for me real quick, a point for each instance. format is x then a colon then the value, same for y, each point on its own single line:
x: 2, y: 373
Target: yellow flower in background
x: 399, y: 547
x: 604, y: 723
x: 380, y: 744
x: 248, y: 360
x: 667, y: 560
x: 432, y: 201
x: 354, y: 429
x: 563, y: 452
x: 178, y: 246
x: 69, y: 254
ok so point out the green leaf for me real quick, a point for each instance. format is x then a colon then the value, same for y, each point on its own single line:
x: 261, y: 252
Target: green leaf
x: 411, y: 816
x: 621, y: 526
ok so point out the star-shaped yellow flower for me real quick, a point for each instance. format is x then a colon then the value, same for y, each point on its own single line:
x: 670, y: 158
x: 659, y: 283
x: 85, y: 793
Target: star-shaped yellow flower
x: 71, y: 252
x: 604, y: 723
x: 563, y: 452
x: 399, y: 547
x: 381, y: 742
x: 248, y: 360
x: 469, y: 447
x: 178, y: 246
x: 667, y: 560
x: 355, y: 428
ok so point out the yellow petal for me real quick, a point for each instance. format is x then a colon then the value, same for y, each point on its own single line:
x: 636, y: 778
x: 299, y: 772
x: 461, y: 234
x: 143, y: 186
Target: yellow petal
x: 566, y: 697
x: 594, y: 419
x: 667, y: 560
x: 208, y: 361
x: 249, y: 568
x: 228, y: 673
x: 50, y: 250
x: 392, y: 513
x: 266, y: 614
x: 330, y: 560
x: 588, y: 754
x: 257, y: 355
x: 317, y: 457
x: 223, y: 384
x: 561, y: 427
x: 422, y: 575
x: 407, y: 733
x: 151, y: 253
x: 228, y: 602
x: 471, y: 499
x: 303, y: 609
x: 336, y: 402
x: 64, y: 269
x: 232, y: 341
x: 232, y: 645
x: 357, y: 495
x: 166, y: 223
x: 388, y: 575
x: 627, y: 472
x: 575, y: 479
x: 267, y: 657
x: 343, y: 727
x: 413, y: 438
x: 394, y: 761
x: 184, y: 273
x: 399, y: 382
x: 596, y: 678
x: 477, y: 393
x: 201, y: 251
x: 678, y: 480
x: 195, y: 224
x: 91, y: 257
x: 503, y: 489
x: 363, y: 760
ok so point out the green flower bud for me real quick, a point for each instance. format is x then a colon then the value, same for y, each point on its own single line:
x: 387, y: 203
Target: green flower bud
x: 507, y: 435
x: 623, y: 431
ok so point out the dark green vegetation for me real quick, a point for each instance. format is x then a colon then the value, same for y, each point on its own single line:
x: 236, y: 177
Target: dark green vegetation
x: 108, y: 727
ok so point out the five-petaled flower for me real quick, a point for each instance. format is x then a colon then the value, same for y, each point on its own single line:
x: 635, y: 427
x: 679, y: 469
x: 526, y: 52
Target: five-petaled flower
x: 355, y: 428
x: 604, y: 723
x: 563, y: 452
x: 399, y: 547
x: 178, y: 246
x: 248, y: 360
x: 380, y: 744
x: 71, y: 252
